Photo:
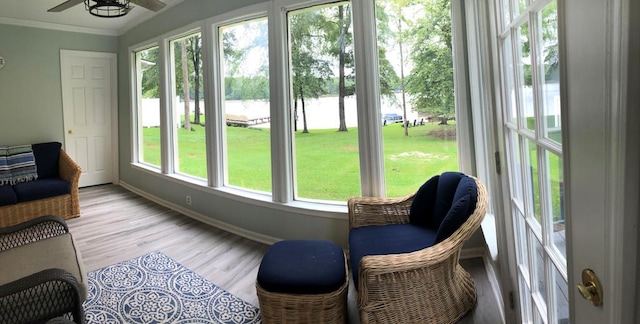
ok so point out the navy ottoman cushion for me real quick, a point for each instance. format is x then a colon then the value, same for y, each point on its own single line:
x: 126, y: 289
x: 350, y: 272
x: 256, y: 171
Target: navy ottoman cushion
x: 388, y: 239
x: 40, y: 189
x: 302, y: 267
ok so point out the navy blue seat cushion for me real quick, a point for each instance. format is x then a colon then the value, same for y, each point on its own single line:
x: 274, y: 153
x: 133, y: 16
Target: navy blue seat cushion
x: 47, y: 155
x: 302, y: 267
x: 7, y: 196
x: 41, y: 188
x: 388, y: 239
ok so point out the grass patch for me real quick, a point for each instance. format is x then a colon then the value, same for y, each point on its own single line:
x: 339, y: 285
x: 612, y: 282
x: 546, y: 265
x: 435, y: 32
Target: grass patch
x: 327, y: 161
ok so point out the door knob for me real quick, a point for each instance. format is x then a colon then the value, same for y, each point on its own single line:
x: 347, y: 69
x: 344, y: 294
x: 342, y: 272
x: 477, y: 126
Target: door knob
x: 70, y: 132
x: 591, y: 288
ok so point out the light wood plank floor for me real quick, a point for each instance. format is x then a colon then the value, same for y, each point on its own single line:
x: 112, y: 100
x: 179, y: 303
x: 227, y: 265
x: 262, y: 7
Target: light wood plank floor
x: 118, y: 225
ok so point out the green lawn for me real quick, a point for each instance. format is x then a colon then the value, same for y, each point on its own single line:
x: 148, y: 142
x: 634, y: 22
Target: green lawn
x: 326, y: 160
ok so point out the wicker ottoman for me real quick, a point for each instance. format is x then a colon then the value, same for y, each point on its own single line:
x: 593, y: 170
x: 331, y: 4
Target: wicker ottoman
x: 303, y: 281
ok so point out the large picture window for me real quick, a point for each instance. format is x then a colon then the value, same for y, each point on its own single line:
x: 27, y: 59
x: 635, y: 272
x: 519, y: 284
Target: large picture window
x: 147, y: 90
x: 415, y: 58
x: 244, y: 49
x: 188, y: 119
x: 324, y: 110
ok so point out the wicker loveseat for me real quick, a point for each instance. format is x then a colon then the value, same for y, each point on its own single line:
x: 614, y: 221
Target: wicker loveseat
x: 54, y: 192
x: 404, y: 252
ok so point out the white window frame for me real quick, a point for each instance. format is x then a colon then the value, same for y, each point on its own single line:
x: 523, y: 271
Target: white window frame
x: 170, y: 86
x: 136, y: 103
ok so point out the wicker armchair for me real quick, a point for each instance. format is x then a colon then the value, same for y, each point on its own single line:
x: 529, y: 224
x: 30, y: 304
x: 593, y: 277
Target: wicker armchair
x: 423, y: 286
x: 30, y: 292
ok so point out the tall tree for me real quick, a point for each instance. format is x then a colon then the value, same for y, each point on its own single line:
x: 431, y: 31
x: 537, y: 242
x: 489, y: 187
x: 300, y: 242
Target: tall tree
x: 431, y: 80
x: 195, y: 54
x: 310, y: 73
x: 340, y: 39
x: 185, y: 85
x: 391, y: 32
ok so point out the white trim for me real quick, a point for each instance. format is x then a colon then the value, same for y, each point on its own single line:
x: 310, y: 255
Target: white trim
x: 462, y: 88
x: 620, y: 243
x: 282, y: 146
x: 59, y: 27
x: 494, y: 281
x: 372, y: 177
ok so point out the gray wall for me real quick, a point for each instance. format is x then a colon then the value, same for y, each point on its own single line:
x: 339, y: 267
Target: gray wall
x: 30, y: 93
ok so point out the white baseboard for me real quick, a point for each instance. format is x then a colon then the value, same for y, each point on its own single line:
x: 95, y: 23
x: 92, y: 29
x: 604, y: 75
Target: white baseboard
x: 475, y: 252
x: 202, y: 218
x: 466, y: 253
x: 494, y: 281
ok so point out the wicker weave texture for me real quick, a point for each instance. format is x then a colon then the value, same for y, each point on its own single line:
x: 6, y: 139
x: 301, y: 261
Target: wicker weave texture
x: 329, y: 308
x: 425, y: 286
x: 30, y: 231
x: 41, y: 296
x: 64, y: 206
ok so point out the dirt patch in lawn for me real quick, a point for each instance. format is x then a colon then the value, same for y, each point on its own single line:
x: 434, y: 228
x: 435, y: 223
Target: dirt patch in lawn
x: 422, y: 155
x: 446, y: 134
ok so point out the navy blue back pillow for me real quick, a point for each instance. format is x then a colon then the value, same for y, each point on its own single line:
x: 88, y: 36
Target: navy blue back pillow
x: 443, y: 203
x: 47, y: 155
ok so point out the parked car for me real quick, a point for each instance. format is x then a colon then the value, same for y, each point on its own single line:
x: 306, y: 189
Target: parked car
x: 391, y: 119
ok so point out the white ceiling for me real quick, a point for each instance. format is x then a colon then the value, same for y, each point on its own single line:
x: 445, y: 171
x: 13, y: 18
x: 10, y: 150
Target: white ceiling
x: 34, y: 13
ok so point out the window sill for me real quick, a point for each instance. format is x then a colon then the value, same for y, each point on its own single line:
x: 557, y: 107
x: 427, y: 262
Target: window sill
x: 328, y: 209
x: 490, y: 235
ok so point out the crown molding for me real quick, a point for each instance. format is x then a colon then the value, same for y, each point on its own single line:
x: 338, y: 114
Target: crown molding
x: 55, y: 26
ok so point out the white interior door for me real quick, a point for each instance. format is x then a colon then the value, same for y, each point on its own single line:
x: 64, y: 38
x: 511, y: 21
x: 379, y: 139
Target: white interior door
x: 562, y: 80
x: 89, y: 103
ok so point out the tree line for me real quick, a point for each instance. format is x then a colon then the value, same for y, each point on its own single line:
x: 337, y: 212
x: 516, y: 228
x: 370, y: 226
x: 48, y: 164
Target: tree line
x: 414, y: 50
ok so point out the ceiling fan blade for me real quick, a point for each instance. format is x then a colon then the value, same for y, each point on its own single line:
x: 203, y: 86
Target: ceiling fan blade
x: 65, y: 5
x: 153, y: 5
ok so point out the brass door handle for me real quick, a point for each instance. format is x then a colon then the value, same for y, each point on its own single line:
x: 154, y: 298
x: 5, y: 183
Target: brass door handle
x: 591, y: 288
x: 70, y: 132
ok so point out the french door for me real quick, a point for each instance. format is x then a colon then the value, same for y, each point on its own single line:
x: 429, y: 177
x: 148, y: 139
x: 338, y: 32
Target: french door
x: 562, y: 82
x: 533, y: 136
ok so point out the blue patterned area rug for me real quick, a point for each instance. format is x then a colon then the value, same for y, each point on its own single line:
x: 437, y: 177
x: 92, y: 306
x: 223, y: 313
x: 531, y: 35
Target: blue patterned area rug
x: 154, y: 288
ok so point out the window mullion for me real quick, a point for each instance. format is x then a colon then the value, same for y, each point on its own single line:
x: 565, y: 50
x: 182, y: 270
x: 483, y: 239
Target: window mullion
x: 166, y: 144
x: 282, y: 167
x: 372, y: 180
x: 212, y: 94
